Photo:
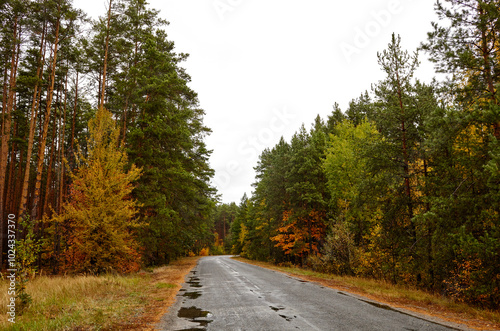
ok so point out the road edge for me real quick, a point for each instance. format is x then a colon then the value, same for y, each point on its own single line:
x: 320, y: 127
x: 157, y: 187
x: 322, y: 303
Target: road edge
x: 415, y: 311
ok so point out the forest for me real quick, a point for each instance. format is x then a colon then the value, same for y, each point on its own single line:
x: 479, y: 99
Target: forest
x: 104, y: 167
x: 103, y: 161
x: 402, y: 186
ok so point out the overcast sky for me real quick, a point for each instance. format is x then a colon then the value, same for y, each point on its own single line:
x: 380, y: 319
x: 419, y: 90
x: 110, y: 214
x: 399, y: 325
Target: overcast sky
x: 261, y: 68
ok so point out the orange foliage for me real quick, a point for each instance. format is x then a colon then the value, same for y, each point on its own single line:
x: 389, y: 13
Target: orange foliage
x: 205, y: 252
x: 462, y: 280
x: 300, y: 236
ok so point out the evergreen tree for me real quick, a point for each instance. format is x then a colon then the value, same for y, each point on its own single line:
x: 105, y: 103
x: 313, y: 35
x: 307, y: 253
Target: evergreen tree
x: 396, y: 116
x: 167, y: 140
x: 464, y: 148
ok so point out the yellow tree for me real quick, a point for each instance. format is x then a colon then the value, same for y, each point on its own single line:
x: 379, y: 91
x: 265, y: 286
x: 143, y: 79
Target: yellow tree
x: 99, y: 219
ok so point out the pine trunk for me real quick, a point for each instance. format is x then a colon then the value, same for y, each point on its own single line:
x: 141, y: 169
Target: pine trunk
x: 61, y: 150
x: 5, y: 130
x: 49, y: 171
x: 10, y: 191
x: 73, y: 123
x: 43, y: 139
x: 37, y: 94
x: 404, y: 141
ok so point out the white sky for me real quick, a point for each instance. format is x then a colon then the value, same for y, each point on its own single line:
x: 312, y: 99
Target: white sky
x: 261, y: 68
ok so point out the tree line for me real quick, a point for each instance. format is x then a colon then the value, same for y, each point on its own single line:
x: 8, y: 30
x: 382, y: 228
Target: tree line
x: 404, y: 185
x: 102, y: 140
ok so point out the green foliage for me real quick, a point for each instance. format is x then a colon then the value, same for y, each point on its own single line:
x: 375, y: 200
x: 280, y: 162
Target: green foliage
x: 161, y: 127
x: 223, y: 218
x: 404, y: 186
x: 157, y: 125
x: 339, y: 254
x: 166, y: 140
x: 27, y: 250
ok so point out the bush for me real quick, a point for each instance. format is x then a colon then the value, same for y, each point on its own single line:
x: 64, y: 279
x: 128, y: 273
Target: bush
x: 338, y: 255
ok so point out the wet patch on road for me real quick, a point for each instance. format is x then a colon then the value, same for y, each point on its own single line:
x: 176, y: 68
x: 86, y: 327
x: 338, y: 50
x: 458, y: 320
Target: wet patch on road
x: 192, y: 313
x: 195, y: 315
x: 280, y: 308
x: 276, y: 308
x: 194, y: 282
x: 297, y: 279
x: 192, y: 295
x: 379, y: 305
x: 288, y: 318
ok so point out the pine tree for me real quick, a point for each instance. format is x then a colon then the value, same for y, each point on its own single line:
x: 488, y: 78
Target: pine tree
x: 468, y: 50
x: 398, y: 113
x: 464, y: 145
x: 167, y: 140
x: 13, y: 15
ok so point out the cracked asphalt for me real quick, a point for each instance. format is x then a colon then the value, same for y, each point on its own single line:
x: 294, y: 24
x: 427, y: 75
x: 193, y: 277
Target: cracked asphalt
x: 223, y: 294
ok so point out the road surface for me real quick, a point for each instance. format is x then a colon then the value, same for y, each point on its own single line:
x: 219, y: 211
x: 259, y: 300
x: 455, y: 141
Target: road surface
x: 224, y: 294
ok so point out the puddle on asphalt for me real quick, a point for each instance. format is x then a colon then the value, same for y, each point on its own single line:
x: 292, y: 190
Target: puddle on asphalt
x: 192, y: 295
x: 287, y: 318
x: 195, y: 315
x: 194, y: 282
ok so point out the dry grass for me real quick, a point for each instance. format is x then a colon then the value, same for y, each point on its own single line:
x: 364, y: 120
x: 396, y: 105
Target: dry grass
x: 165, y: 283
x: 418, y: 301
x: 110, y: 302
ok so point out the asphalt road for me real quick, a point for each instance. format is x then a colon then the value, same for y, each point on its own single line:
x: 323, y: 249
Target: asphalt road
x: 224, y: 294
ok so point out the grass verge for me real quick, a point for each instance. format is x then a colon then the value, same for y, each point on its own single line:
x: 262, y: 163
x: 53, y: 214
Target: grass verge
x: 109, y: 302
x: 397, y: 296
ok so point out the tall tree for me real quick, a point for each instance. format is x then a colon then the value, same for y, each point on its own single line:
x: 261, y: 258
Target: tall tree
x: 39, y: 61
x: 62, y: 25
x: 14, y: 14
x: 468, y: 49
x: 396, y: 113
x: 463, y: 207
x: 167, y: 139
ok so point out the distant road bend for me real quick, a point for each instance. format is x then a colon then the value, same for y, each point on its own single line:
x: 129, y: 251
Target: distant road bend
x: 224, y: 294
